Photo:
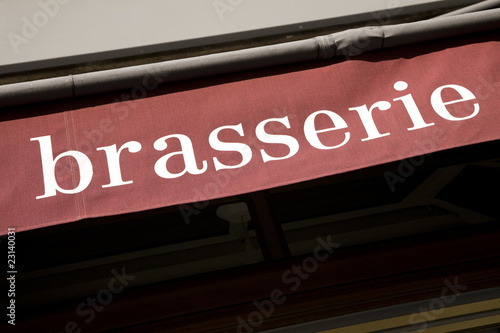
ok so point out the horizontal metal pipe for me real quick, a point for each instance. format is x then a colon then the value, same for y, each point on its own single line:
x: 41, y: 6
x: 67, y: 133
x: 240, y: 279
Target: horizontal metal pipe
x: 483, y: 5
x: 202, y: 66
x: 373, y: 38
x: 347, y: 43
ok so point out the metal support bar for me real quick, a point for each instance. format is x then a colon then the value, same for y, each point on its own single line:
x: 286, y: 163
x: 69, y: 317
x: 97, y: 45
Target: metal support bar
x: 269, y: 232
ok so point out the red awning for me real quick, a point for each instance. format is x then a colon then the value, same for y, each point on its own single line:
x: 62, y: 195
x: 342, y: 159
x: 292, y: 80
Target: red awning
x: 160, y: 145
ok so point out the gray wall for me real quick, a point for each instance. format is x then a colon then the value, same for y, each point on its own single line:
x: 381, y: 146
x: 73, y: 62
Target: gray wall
x: 37, y: 34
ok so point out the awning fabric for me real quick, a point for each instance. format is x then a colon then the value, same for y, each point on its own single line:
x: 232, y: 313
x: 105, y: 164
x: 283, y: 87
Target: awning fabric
x: 160, y: 145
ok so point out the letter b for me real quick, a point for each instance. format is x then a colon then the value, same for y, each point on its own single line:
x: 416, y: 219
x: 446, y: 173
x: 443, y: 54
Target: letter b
x: 49, y: 163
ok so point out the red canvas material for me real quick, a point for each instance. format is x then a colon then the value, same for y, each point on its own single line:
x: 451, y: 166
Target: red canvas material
x: 209, y: 138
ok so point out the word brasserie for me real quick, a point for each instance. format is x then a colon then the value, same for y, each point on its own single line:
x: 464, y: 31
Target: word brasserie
x: 333, y: 136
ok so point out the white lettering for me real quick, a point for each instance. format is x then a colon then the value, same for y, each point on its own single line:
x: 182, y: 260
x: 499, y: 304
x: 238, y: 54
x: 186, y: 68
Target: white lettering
x: 440, y: 106
x: 113, y: 157
x: 311, y: 132
x: 49, y: 163
x: 243, y: 149
x: 187, y: 153
x: 265, y: 137
x: 367, y: 118
x: 411, y: 107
